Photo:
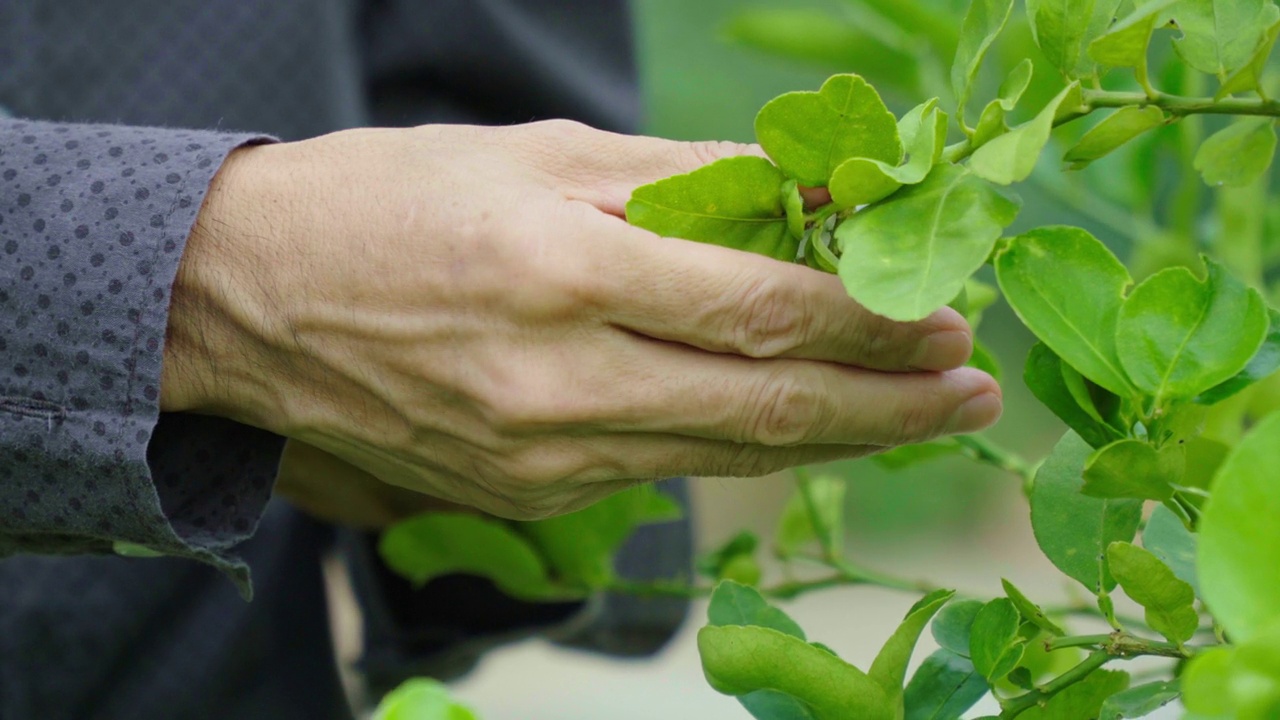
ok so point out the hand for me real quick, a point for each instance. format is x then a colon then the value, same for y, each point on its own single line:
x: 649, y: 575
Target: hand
x: 462, y: 311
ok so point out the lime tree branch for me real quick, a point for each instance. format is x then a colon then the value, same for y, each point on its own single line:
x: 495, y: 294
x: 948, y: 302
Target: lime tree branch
x: 1121, y: 645
x: 983, y: 450
x: 783, y: 591
x: 1015, y: 706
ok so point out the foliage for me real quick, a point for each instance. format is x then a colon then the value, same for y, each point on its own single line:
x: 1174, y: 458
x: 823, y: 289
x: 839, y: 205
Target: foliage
x: 1163, y: 486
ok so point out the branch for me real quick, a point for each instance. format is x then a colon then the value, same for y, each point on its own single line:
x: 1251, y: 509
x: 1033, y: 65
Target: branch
x: 983, y: 450
x: 1013, y: 707
x: 1120, y: 645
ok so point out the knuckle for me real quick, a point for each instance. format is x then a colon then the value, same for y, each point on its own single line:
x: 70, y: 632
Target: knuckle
x: 790, y: 411
x: 771, y: 319
x: 709, y: 151
x: 559, y: 129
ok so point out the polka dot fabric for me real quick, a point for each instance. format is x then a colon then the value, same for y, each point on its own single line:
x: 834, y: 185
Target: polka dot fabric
x: 93, y: 220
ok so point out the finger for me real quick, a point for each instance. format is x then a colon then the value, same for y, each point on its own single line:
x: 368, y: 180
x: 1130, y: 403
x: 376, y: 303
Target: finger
x: 728, y: 301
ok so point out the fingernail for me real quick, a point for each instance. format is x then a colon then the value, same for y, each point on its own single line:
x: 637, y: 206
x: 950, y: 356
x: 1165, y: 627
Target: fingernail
x: 943, y: 350
x: 978, y: 412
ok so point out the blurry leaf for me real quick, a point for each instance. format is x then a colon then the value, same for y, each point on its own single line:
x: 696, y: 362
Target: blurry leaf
x: 1168, y: 601
x: 860, y: 181
x: 1139, y: 701
x: 908, y: 256
x: 994, y: 644
x: 1030, y: 611
x: 1125, y: 44
x: 983, y: 359
x: 992, y: 122
x: 809, y: 134
x: 1255, y: 671
x: 1011, y: 157
x: 741, y: 660
x: 1262, y: 365
x: 421, y: 699
x: 1134, y: 469
x: 795, y: 527
x: 1081, y: 700
x: 1239, y: 562
x: 943, y: 688
x: 1249, y: 77
x: 1206, y: 678
x: 793, y: 203
x: 1064, y: 29
x: 1044, y: 376
x: 1119, y: 128
x: 770, y: 705
x: 908, y: 455
x: 1221, y: 36
x: 1168, y: 539
x: 951, y: 627
x: 737, y: 604
x: 436, y: 544
x: 726, y: 562
x: 979, y: 296
x: 982, y: 24
x: 1068, y: 288
x: 1178, y: 336
x: 732, y: 202
x: 1072, y: 529
x: 1238, y: 154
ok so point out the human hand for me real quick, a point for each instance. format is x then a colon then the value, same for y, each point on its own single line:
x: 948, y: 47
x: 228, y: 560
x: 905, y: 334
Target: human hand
x: 462, y: 311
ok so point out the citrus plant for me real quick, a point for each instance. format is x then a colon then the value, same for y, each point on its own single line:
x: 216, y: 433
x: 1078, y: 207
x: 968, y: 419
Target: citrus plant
x: 1164, y: 487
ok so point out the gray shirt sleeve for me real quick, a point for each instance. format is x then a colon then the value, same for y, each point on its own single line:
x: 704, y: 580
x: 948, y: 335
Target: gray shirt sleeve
x: 93, y: 221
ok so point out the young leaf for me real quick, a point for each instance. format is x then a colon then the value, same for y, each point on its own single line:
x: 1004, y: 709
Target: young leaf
x: 1220, y: 36
x: 1249, y: 77
x: 737, y: 604
x: 1083, y: 393
x: 1134, y: 469
x: 1030, y: 611
x: 793, y: 203
x: 908, y: 455
x: 889, y: 669
x: 1081, y: 700
x: 861, y: 181
x: 1125, y: 44
x: 817, y: 254
x: 1072, y: 529
x: 1011, y: 157
x: 795, y: 528
x: 943, y: 688
x: 1044, y: 375
x: 436, y: 544
x: 809, y: 134
x: 910, y: 255
x: 734, y: 202
x: 421, y: 699
x: 951, y: 628
x: 1178, y: 336
x: 992, y: 122
x: 1168, y: 601
x: 982, y: 24
x: 1140, y: 701
x: 1119, y: 128
x: 741, y: 660
x: 1064, y: 29
x: 1068, y: 288
x: 1168, y: 539
x: 995, y: 647
x: 1263, y: 364
x: 1238, y: 154
x: 735, y: 560
x: 1239, y: 562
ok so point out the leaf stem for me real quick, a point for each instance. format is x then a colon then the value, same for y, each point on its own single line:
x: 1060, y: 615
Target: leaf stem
x: 1013, y: 707
x: 983, y: 450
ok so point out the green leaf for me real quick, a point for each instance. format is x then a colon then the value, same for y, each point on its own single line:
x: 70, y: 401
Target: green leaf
x: 908, y: 455
x: 1082, y: 391
x: 1068, y: 288
x: 1177, y: 336
x: 1249, y: 77
x: 1168, y: 601
x: 795, y: 528
x: 741, y: 660
x: 1238, y: 154
x: 943, y: 688
x: 1119, y: 128
x: 982, y: 24
x: 1134, y: 469
x: 1065, y: 28
x: 1125, y: 44
x: 1072, y: 529
x: 951, y: 628
x: 579, y: 547
x: 1011, y: 157
x: 817, y: 254
x: 1204, y: 681
x: 436, y: 544
x: 1239, y: 562
x: 1046, y: 380
x: 1081, y: 700
x: 1139, y: 701
x: 992, y: 122
x: 793, y: 203
x: 908, y: 256
x: 737, y: 604
x: 1168, y: 539
x: 732, y: 202
x: 889, y: 669
x: 995, y: 647
x: 809, y: 134
x: 1263, y: 364
x: 1221, y: 36
x: 421, y: 699
x: 1030, y: 611
x: 985, y: 360
x: 770, y: 705
x: 861, y: 181
x: 734, y: 560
